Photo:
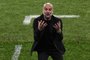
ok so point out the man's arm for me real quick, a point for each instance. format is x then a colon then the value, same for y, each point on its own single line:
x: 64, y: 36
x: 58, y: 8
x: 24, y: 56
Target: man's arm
x: 35, y: 29
x: 38, y: 28
x: 59, y: 27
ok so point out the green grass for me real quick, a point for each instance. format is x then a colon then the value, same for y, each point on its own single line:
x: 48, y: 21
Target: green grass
x: 13, y: 32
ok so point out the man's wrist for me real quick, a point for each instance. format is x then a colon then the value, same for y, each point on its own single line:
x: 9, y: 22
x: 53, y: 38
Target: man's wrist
x: 59, y: 31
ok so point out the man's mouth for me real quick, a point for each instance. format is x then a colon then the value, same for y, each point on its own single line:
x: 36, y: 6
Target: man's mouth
x: 48, y: 14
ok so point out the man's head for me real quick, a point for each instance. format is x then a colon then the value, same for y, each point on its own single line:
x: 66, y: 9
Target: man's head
x: 48, y: 10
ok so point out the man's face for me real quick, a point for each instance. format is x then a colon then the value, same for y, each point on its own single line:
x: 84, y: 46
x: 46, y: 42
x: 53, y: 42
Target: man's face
x: 48, y: 11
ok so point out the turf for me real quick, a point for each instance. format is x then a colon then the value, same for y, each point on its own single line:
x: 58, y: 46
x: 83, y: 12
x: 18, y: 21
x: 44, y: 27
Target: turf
x: 13, y: 32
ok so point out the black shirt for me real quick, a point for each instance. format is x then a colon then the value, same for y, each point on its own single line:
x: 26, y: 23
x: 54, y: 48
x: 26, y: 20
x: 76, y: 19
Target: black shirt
x: 48, y: 35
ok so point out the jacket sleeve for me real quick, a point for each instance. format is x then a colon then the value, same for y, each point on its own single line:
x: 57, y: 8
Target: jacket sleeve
x: 35, y: 29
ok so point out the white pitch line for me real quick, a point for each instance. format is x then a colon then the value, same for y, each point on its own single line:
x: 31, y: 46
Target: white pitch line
x: 27, y: 19
x: 17, y: 52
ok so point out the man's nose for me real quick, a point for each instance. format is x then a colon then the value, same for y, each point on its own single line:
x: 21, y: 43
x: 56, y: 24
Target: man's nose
x: 48, y: 10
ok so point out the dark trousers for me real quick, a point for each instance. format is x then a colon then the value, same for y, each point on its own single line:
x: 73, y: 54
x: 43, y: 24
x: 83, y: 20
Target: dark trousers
x: 55, y: 55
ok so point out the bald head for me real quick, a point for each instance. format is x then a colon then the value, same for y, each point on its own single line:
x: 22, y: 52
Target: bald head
x: 47, y: 10
x: 49, y: 4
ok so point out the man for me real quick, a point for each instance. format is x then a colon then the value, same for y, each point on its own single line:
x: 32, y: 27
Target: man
x: 48, y: 35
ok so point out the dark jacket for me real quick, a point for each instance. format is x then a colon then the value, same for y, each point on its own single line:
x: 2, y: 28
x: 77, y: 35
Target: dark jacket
x: 48, y: 38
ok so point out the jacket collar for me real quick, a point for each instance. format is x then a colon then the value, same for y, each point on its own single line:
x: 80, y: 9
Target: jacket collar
x: 42, y: 16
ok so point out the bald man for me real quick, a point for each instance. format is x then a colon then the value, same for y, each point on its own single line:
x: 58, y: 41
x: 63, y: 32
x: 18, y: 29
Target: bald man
x: 48, y: 35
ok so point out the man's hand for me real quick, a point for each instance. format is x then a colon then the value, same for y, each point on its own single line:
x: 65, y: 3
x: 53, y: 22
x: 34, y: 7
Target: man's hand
x: 41, y: 25
x: 57, y: 26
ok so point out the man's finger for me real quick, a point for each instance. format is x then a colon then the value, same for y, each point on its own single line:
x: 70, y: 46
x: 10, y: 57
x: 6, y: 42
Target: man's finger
x: 55, y: 26
x: 39, y: 22
x: 45, y: 24
x: 58, y: 24
x: 42, y: 22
